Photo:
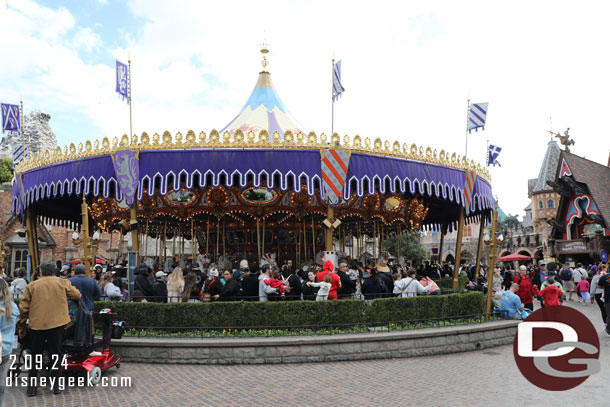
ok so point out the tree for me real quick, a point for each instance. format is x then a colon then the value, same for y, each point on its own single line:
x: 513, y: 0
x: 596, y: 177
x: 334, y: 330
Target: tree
x: 410, y: 246
x: 6, y: 170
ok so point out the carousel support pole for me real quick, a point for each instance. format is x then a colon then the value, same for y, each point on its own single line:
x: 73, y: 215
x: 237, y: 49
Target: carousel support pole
x: 374, y: 240
x: 479, y: 250
x: 193, y: 242
x: 278, y: 247
x: 258, y: 240
x: 135, y: 247
x: 304, y: 241
x: 207, y: 239
x: 224, y: 240
x: 297, y: 244
x: 492, y: 257
x: 313, y: 239
x: 174, y: 244
x: 263, y: 239
x: 329, y: 231
x: 440, y: 246
x: 146, y: 240
x: 458, y: 249
x: 30, y: 224
x: 120, y: 254
x: 217, y: 239
x: 86, y: 245
x: 164, y: 243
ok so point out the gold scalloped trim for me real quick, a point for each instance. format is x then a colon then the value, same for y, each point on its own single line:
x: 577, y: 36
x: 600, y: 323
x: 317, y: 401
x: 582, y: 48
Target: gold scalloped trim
x: 251, y: 140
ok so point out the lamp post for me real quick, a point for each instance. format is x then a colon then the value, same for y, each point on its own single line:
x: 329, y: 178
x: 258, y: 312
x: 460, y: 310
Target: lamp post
x: 493, y: 245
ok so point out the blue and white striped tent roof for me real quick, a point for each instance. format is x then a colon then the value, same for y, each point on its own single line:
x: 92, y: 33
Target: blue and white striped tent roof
x: 264, y: 110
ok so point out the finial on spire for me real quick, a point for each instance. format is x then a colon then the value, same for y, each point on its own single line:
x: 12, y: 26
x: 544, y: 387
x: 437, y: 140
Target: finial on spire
x: 264, y: 51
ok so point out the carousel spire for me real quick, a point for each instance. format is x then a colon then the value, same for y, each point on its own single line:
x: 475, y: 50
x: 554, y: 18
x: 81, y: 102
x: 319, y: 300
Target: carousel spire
x: 264, y: 109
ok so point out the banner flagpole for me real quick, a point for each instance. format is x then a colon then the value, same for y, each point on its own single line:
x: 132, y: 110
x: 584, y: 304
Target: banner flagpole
x: 332, y: 97
x: 21, y: 125
x: 130, y: 95
x: 467, y: 113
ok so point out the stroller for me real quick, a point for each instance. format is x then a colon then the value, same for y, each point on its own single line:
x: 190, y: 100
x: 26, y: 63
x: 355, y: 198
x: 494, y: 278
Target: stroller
x: 80, y: 347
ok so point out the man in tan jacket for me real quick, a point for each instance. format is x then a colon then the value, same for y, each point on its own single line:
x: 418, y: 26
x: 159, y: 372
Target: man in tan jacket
x: 45, y: 306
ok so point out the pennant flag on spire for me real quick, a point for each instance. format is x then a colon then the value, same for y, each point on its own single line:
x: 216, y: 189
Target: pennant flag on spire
x: 468, y: 189
x: 477, y: 114
x: 492, y: 155
x: 122, y: 80
x: 337, y: 86
x: 11, y: 119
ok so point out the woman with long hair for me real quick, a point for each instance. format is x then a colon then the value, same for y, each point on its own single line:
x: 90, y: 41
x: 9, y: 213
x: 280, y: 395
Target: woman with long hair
x: 8, y: 320
x: 110, y: 292
x: 175, y: 285
x: 191, y: 289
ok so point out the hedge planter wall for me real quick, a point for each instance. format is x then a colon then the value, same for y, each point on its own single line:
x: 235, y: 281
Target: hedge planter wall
x: 293, y: 313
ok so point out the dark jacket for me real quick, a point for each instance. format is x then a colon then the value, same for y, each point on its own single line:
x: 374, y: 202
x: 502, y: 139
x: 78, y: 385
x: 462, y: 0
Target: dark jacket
x: 213, y: 287
x: 88, y: 288
x: 309, y: 292
x: 142, y: 284
x: 295, y: 288
x: 371, y: 288
x: 159, y: 291
x: 249, y: 287
x: 230, y: 291
x: 348, y: 286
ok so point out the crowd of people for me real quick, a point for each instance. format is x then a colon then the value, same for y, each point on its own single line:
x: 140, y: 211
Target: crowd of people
x: 514, y: 291
x: 267, y: 282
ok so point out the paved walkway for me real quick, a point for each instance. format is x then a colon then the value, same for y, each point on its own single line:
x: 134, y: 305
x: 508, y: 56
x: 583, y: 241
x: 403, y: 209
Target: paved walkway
x: 488, y: 377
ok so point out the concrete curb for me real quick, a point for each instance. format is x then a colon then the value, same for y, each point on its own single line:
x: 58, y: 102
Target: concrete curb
x: 321, y: 348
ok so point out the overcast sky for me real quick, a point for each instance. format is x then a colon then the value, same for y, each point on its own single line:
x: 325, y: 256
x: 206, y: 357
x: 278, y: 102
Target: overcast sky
x: 408, y: 69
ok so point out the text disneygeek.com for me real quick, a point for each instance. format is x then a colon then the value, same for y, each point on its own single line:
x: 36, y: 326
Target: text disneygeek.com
x: 69, y: 381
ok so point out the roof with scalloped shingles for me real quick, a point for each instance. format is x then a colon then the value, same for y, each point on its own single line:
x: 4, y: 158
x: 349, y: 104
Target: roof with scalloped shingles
x: 547, y: 170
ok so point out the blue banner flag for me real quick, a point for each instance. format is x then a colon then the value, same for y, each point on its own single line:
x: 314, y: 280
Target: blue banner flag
x: 337, y: 86
x: 11, y: 119
x: 492, y: 155
x: 19, y: 153
x: 122, y: 80
x: 477, y: 114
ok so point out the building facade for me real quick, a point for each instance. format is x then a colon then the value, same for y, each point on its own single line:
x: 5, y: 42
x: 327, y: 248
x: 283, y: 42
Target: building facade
x: 544, y: 201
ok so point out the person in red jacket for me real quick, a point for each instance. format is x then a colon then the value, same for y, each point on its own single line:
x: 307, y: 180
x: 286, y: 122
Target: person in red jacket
x: 526, y: 288
x: 335, y: 282
x: 551, y: 293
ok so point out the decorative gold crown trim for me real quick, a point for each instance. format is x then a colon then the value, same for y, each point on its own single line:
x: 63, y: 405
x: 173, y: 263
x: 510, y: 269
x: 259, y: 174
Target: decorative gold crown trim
x: 252, y: 140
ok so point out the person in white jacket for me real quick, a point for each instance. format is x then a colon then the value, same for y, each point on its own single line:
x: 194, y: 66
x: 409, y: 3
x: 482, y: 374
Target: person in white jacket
x: 175, y: 285
x: 110, y: 292
x: 409, y: 286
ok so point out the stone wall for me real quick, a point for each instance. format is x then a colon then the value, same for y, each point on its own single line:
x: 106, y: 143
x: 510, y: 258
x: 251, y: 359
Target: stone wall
x: 377, y: 345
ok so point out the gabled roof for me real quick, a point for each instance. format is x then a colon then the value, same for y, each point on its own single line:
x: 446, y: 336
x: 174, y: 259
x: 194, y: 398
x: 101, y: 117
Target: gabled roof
x: 548, y: 168
x: 596, y: 176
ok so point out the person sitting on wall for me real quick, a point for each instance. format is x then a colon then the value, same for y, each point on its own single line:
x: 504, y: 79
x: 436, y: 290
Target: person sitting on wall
x: 511, y: 303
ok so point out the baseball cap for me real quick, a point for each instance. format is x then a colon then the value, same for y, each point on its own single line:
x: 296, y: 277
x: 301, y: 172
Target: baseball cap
x: 542, y: 263
x: 160, y: 274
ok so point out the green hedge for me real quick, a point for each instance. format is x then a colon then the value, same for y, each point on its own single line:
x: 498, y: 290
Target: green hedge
x: 447, y: 283
x: 293, y: 313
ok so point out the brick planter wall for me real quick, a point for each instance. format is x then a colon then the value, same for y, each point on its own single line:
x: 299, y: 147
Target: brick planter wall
x: 323, y: 348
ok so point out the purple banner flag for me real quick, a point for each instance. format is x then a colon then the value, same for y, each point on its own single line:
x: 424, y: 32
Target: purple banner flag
x: 10, y: 118
x: 122, y: 80
x: 127, y: 171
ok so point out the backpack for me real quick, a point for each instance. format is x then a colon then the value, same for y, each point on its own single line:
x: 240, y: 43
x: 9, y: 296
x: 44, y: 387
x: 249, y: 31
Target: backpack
x: 566, y: 274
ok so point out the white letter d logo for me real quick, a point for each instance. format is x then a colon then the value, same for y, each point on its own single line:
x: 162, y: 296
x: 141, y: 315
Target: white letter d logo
x: 526, y: 338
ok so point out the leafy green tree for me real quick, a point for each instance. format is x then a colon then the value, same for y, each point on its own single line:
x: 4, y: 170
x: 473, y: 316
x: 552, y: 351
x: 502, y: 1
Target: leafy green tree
x: 410, y: 246
x: 6, y: 170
